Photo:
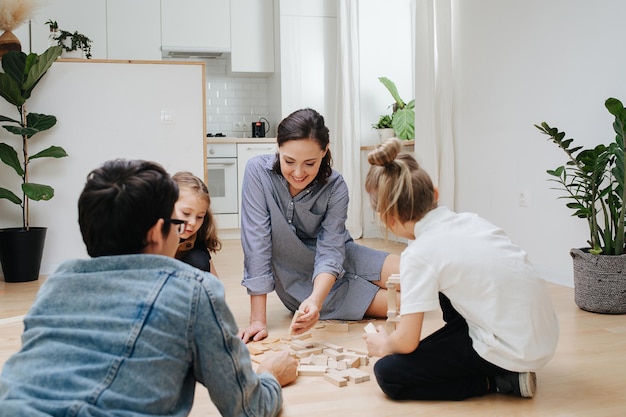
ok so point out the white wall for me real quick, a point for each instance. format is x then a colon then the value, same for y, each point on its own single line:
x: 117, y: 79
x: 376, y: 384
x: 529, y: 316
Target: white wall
x: 385, y: 47
x: 519, y: 63
x: 104, y: 111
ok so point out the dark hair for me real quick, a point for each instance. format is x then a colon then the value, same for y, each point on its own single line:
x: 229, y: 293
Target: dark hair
x: 398, y: 187
x: 306, y: 124
x: 120, y: 202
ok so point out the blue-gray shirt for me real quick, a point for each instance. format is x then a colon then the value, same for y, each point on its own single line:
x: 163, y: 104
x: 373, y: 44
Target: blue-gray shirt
x: 288, y: 241
x: 131, y: 335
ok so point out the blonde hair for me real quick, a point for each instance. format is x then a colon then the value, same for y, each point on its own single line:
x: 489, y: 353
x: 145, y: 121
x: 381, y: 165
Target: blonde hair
x: 208, y: 231
x: 398, y: 187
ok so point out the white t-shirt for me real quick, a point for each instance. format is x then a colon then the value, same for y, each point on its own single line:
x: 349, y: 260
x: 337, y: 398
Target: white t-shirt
x: 488, y: 280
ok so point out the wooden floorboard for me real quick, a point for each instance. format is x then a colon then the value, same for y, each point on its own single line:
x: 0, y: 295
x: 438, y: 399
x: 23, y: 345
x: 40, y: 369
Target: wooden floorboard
x: 586, y: 377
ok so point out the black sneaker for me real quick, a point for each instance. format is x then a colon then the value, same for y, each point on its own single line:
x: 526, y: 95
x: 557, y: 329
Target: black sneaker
x: 522, y: 384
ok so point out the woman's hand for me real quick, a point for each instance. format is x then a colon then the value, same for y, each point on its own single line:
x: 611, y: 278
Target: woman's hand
x: 310, y: 314
x: 376, y: 342
x: 257, y: 330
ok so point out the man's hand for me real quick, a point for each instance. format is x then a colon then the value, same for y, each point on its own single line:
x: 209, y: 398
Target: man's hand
x: 282, y: 366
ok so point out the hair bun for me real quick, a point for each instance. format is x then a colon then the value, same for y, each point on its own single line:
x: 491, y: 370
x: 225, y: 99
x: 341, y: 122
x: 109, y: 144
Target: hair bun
x: 385, y: 153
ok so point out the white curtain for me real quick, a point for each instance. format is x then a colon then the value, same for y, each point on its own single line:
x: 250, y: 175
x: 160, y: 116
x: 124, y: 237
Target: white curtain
x: 434, y: 141
x: 347, y: 137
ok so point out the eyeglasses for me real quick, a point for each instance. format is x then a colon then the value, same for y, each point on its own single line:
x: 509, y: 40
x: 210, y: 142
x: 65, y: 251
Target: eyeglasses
x: 178, y: 222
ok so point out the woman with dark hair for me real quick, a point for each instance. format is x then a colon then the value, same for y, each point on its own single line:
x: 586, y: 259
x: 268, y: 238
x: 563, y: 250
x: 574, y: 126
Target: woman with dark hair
x: 293, y: 213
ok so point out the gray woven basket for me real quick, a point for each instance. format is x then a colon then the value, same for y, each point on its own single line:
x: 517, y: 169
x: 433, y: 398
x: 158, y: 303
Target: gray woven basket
x: 599, y: 282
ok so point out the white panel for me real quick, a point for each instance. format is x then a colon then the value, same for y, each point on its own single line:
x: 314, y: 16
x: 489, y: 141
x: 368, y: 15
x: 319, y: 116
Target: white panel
x: 105, y: 111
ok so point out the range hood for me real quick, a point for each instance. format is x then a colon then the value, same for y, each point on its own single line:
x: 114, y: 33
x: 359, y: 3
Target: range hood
x: 192, y: 52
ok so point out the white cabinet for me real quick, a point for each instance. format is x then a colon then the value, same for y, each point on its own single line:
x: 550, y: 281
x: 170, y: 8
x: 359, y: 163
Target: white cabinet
x: 245, y: 151
x: 133, y: 29
x: 196, y: 24
x: 252, y: 36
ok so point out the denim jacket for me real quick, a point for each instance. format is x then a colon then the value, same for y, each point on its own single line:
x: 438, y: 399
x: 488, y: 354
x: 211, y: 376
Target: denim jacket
x: 130, y: 336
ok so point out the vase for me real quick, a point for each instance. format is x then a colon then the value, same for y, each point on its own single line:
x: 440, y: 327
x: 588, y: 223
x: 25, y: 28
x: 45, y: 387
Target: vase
x: 9, y: 42
x: 599, y: 282
x: 384, y: 134
x: 20, y: 253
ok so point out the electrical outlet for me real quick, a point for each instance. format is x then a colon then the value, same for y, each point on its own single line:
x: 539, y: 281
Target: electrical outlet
x: 523, y: 198
x: 239, y: 127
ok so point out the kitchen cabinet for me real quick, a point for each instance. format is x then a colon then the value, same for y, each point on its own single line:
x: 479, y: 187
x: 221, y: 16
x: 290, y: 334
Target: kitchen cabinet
x: 229, y: 219
x: 133, y: 29
x: 196, y: 24
x: 245, y: 151
x: 252, y: 36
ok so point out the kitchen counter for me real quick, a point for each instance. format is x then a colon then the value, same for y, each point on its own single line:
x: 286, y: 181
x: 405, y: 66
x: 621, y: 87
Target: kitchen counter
x: 238, y: 140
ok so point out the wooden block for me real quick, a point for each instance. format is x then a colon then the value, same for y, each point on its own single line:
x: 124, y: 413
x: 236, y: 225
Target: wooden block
x: 299, y: 345
x: 332, y: 346
x: 352, y: 361
x: 254, y: 350
x: 393, y: 279
x: 332, y: 353
x: 307, y: 360
x: 355, y: 375
x: 320, y: 360
x: 370, y: 328
x: 270, y: 341
x: 337, y: 326
x: 335, y: 379
x: 332, y: 363
x: 341, y: 365
x: 301, y: 336
x: 307, y: 352
x: 297, y: 314
x: 311, y: 370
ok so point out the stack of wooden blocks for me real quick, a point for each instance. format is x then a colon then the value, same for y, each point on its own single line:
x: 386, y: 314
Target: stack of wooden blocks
x: 334, y: 363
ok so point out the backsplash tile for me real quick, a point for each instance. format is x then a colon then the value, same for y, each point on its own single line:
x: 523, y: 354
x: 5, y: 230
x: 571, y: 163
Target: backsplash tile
x: 233, y: 99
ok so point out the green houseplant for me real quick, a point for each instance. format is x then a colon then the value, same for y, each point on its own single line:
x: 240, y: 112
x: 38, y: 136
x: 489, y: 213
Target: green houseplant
x: 69, y: 41
x: 21, y: 74
x: 403, y: 115
x: 593, y: 184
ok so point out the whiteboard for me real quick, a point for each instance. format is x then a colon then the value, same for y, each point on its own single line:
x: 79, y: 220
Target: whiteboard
x: 105, y: 109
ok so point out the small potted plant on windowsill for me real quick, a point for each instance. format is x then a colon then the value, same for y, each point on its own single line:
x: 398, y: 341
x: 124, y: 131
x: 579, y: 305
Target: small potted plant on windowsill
x: 403, y: 115
x: 75, y: 45
x: 593, y: 182
x: 384, y: 127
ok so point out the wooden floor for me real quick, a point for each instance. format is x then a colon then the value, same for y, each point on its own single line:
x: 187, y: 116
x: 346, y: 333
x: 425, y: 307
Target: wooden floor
x: 587, y: 376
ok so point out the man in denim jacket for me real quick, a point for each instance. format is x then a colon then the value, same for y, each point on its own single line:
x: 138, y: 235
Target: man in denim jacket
x: 130, y: 331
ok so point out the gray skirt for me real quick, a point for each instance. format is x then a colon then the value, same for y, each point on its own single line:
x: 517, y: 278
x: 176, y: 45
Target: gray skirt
x: 293, y: 265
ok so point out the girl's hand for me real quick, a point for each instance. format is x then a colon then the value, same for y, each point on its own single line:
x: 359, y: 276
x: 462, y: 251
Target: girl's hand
x: 377, y: 342
x: 257, y: 330
x: 310, y: 316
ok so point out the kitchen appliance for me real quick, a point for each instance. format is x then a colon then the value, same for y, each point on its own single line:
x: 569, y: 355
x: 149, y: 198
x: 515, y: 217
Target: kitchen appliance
x: 221, y: 165
x: 259, y: 128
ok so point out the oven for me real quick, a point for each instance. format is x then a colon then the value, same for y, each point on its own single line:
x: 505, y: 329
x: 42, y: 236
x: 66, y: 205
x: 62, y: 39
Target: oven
x: 221, y: 166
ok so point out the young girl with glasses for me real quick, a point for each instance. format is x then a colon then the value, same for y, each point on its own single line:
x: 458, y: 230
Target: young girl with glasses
x: 198, y: 237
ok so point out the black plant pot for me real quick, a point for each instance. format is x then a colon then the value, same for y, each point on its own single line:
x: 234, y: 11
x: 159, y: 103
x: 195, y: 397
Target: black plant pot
x: 20, y: 253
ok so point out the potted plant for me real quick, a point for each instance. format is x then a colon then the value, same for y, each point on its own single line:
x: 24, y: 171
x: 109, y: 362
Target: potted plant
x: 403, y: 115
x: 593, y: 184
x: 21, y: 247
x: 74, y: 44
x: 384, y: 127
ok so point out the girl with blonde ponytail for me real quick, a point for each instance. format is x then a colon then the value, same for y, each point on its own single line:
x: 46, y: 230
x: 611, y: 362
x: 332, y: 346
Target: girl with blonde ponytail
x: 500, y: 323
